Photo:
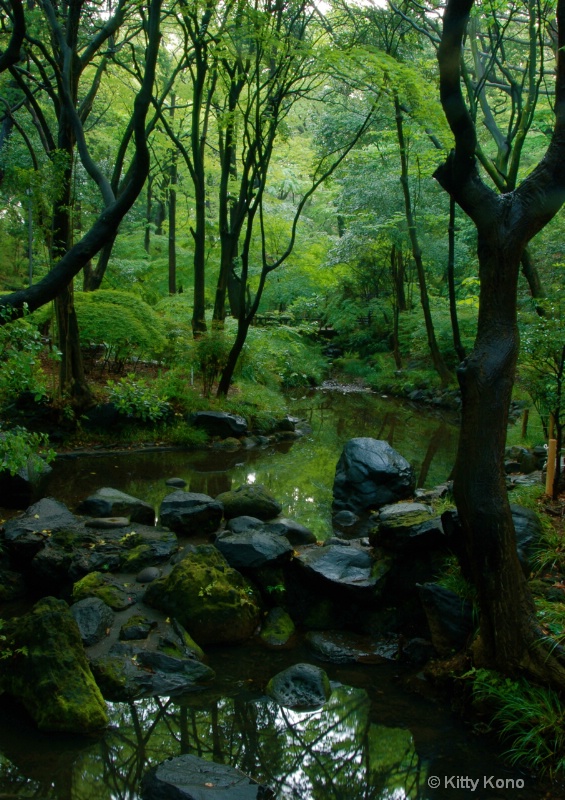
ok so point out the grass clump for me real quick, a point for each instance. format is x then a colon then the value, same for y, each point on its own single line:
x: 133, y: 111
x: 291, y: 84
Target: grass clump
x: 530, y: 719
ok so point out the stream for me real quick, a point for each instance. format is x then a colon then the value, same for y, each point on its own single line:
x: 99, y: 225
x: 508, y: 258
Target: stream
x: 383, y: 735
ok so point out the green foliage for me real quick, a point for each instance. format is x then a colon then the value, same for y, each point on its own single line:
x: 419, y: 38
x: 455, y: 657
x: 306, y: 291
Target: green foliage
x: 543, y: 358
x: 530, y: 718
x: 211, y: 356
x: 136, y: 400
x: 122, y: 323
x: 281, y: 356
x: 8, y: 652
x: 451, y: 578
x: 21, y: 449
x: 20, y: 370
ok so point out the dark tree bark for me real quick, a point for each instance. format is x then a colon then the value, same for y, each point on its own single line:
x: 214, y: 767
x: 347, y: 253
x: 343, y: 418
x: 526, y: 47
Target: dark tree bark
x: 173, y: 177
x: 457, y: 344
x: 510, y: 637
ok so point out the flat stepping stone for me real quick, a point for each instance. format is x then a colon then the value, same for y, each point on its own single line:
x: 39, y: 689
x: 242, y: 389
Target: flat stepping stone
x: 107, y: 523
x: 191, y: 778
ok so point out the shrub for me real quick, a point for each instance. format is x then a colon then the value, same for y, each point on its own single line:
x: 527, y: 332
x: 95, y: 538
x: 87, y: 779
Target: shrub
x: 122, y: 323
x: 134, y: 399
x: 20, y: 371
x: 18, y: 446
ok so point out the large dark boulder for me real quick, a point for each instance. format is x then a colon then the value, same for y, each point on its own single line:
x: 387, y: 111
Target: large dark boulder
x: 108, y: 502
x: 112, y: 592
x: 189, y: 513
x: 219, y: 423
x: 253, y: 549
x: 342, y: 566
x: 249, y: 501
x: 26, y: 535
x: 300, y: 686
x: 370, y: 474
x: 211, y: 600
x: 48, y: 672
x: 191, y: 778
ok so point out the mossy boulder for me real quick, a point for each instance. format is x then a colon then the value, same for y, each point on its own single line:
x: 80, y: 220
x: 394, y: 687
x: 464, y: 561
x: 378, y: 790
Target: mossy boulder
x: 214, y: 602
x: 251, y: 501
x: 49, y: 673
x: 96, y: 584
x: 277, y: 629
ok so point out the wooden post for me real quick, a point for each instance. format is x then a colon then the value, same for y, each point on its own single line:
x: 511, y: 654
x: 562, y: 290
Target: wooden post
x: 550, y: 474
x: 525, y: 416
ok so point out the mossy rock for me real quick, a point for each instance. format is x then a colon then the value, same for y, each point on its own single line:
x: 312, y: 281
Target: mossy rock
x: 214, y: 602
x: 249, y: 501
x: 135, y: 627
x: 50, y: 675
x: 96, y: 584
x: 277, y: 629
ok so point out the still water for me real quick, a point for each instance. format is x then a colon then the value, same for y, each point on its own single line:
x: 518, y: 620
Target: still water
x: 300, y: 475
x: 382, y: 735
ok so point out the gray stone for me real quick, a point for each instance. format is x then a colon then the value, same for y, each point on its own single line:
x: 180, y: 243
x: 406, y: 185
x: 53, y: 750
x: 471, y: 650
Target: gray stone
x: 370, y: 474
x: 296, y: 533
x: 93, y: 618
x: 244, y: 523
x: 300, y: 686
x: 342, y: 566
x: 191, y: 778
x: 108, y: 502
x: 253, y: 549
x: 219, y: 423
x: 249, y: 500
x: 404, y: 526
x: 148, y: 575
x: 107, y: 523
x: 189, y: 513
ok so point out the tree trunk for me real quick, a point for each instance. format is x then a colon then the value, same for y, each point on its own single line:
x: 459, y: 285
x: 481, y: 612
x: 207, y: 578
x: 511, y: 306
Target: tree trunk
x: 457, y: 344
x: 173, y: 176
x: 226, y: 378
x: 437, y: 360
x: 510, y: 638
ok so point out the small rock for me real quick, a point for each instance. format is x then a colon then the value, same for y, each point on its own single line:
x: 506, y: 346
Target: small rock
x: 148, y: 574
x: 178, y: 483
x: 93, y: 618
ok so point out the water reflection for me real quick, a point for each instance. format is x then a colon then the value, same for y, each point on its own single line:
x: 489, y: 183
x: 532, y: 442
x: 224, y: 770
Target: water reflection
x: 300, y: 475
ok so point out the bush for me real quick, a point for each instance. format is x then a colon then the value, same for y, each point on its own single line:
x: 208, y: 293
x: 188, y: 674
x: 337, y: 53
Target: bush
x: 281, y: 356
x: 134, y: 399
x: 20, y: 371
x: 18, y: 446
x: 122, y: 323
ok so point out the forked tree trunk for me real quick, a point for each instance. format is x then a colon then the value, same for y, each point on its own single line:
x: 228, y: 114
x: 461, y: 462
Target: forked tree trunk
x: 510, y: 637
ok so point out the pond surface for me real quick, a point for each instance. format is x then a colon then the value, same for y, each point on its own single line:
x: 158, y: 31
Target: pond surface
x: 375, y: 739
x: 300, y: 474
